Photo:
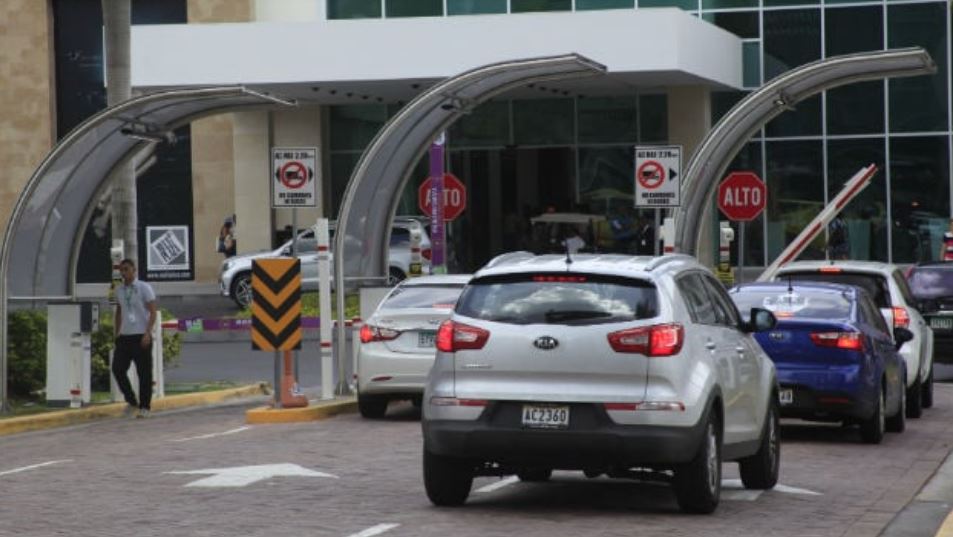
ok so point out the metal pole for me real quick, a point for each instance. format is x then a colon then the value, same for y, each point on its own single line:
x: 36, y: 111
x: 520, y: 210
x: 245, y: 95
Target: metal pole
x: 277, y: 385
x: 437, y: 235
x: 294, y: 253
x: 741, y: 252
x: 655, y: 230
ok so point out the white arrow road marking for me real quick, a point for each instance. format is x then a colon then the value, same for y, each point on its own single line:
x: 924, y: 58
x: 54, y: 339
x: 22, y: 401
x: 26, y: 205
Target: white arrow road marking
x: 212, y: 435
x: 498, y: 485
x: 736, y: 491
x: 240, y: 476
x: 374, y: 530
x: 34, y: 466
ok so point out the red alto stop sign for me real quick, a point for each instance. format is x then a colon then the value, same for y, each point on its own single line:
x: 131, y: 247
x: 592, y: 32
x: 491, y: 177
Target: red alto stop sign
x: 741, y: 196
x: 454, y: 197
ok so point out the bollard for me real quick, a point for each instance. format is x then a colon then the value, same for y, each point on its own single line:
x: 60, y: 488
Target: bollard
x: 291, y: 397
x: 725, y: 236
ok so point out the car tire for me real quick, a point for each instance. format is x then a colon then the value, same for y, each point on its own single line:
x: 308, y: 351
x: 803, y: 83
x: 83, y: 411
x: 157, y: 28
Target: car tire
x: 697, y: 484
x: 241, y: 290
x: 446, y: 479
x: 535, y: 475
x: 395, y: 276
x: 898, y: 422
x: 872, y: 429
x: 371, y: 407
x: 927, y: 401
x: 760, y: 471
x: 915, y: 399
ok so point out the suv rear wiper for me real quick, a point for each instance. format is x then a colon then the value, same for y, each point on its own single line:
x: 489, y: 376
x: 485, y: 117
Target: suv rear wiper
x: 570, y: 315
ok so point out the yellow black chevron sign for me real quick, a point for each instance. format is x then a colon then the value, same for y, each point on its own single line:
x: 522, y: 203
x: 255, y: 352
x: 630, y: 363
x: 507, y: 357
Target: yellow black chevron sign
x: 276, y: 304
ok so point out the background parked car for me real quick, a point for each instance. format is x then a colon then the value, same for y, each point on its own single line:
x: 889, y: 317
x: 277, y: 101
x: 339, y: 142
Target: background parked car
x: 888, y: 288
x: 835, y: 356
x: 235, y: 273
x: 397, y: 341
x: 932, y: 287
x: 614, y: 365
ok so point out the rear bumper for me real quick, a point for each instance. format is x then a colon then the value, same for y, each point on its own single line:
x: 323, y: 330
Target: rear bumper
x: 384, y: 372
x: 590, y: 440
x: 826, y: 393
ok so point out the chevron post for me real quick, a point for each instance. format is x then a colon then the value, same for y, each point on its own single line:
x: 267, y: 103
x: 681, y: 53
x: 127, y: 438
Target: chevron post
x: 276, y: 304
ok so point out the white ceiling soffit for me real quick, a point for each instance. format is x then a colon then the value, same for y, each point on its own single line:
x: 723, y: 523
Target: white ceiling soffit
x: 45, y: 231
x: 364, y: 60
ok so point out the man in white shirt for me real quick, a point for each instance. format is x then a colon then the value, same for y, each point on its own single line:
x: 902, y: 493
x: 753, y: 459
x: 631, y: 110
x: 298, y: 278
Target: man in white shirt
x: 135, y: 319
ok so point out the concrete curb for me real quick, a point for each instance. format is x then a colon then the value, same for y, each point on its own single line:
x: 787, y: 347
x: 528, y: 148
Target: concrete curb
x: 62, y: 418
x: 316, y: 410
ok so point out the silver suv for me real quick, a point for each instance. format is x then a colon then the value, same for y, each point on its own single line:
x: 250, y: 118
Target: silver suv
x: 235, y: 272
x: 891, y: 293
x: 610, y: 364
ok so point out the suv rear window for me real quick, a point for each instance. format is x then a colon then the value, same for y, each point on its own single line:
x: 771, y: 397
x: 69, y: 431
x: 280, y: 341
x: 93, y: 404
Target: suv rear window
x: 558, y: 298
x: 874, y: 284
x: 929, y: 282
x: 423, y: 296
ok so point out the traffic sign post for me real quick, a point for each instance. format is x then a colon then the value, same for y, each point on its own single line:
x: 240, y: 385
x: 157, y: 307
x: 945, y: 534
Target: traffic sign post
x: 741, y: 197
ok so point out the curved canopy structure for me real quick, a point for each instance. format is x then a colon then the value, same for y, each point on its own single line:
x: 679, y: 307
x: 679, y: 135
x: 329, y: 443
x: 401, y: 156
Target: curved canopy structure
x: 372, y: 193
x: 723, y: 142
x: 43, y: 237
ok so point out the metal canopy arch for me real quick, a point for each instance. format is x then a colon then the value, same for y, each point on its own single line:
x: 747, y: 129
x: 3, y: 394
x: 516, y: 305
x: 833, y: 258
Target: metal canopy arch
x: 725, y: 139
x: 42, y: 240
x: 372, y: 194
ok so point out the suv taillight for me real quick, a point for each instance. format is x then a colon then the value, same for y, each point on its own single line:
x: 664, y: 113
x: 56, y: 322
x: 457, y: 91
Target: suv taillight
x: 426, y: 253
x: 657, y: 340
x: 371, y: 333
x: 453, y: 337
x: 901, y: 319
x: 841, y: 340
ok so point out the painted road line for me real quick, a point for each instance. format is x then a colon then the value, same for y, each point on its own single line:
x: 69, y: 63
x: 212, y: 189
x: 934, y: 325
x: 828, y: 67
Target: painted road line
x: 211, y: 435
x: 240, y: 476
x: 374, y: 530
x: 736, y: 484
x: 34, y: 466
x: 498, y: 485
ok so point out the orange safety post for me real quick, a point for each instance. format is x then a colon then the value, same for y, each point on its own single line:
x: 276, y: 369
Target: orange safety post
x: 289, y: 396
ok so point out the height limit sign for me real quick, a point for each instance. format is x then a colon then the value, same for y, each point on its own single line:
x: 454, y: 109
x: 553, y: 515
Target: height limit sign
x: 658, y: 171
x: 292, y: 177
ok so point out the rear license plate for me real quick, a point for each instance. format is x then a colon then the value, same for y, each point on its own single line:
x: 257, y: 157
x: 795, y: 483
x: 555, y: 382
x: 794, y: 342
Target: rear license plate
x: 786, y: 397
x: 426, y: 339
x: 546, y: 416
x: 944, y: 323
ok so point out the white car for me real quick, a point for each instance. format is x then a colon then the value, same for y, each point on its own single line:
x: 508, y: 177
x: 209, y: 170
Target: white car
x: 397, y: 341
x: 610, y: 364
x: 235, y: 272
x: 891, y: 293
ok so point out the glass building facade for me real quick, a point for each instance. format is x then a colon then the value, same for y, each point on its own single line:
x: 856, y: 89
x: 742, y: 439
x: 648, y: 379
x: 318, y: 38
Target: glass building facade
x: 578, y: 150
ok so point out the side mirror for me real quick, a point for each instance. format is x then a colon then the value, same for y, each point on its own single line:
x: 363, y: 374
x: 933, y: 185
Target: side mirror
x: 901, y: 335
x: 761, y: 320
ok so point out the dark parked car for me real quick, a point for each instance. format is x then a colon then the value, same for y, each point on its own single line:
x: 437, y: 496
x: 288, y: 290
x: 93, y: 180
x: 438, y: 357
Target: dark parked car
x: 835, y: 356
x: 932, y: 287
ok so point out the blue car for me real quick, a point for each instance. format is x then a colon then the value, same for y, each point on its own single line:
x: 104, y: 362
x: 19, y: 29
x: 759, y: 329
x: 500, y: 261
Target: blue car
x: 836, y: 359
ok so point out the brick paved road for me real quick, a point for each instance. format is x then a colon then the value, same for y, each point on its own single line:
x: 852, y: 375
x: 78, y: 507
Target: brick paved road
x: 113, y: 480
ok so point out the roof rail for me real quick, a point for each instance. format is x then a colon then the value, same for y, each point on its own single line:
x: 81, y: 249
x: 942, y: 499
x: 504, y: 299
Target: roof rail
x: 509, y: 257
x: 667, y: 258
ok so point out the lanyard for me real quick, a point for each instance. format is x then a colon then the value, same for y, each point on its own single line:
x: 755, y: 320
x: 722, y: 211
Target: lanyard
x: 128, y: 291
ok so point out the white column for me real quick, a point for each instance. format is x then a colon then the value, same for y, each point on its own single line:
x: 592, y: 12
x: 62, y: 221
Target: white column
x: 252, y: 175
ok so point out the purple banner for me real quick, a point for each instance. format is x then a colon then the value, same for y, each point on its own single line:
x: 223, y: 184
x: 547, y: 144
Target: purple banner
x: 212, y: 325
x: 436, y: 205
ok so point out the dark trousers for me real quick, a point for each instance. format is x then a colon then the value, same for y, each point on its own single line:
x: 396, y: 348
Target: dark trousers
x: 129, y: 349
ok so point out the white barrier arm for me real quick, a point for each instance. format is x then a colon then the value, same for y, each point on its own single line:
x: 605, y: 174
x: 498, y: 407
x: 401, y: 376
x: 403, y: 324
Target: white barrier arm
x: 853, y: 187
x: 324, y: 305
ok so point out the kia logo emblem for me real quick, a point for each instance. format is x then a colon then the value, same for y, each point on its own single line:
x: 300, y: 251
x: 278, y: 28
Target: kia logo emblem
x: 546, y: 343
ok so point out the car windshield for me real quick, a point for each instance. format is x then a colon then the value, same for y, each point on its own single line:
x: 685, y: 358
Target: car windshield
x: 563, y: 298
x: 423, y: 296
x: 874, y: 284
x: 929, y: 282
x: 794, y: 303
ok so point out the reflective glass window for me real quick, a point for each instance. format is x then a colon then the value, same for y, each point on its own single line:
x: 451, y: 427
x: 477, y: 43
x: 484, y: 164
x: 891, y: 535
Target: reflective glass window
x: 354, y: 126
x: 728, y: 4
x: 487, y: 125
x: 919, y: 103
x: 744, y: 24
x: 605, y: 177
x: 771, y: 3
x: 414, y: 8
x: 474, y: 7
x: 653, y: 118
x: 751, y: 64
x: 582, y: 5
x: 919, y: 196
x: 543, y: 121
x: 855, y: 108
x: 722, y: 101
x: 354, y: 9
x: 866, y: 215
x: 791, y: 39
x: 342, y: 164
x: 804, y: 120
x: 607, y: 119
x: 687, y: 5
x: 795, y: 181
x: 520, y: 6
